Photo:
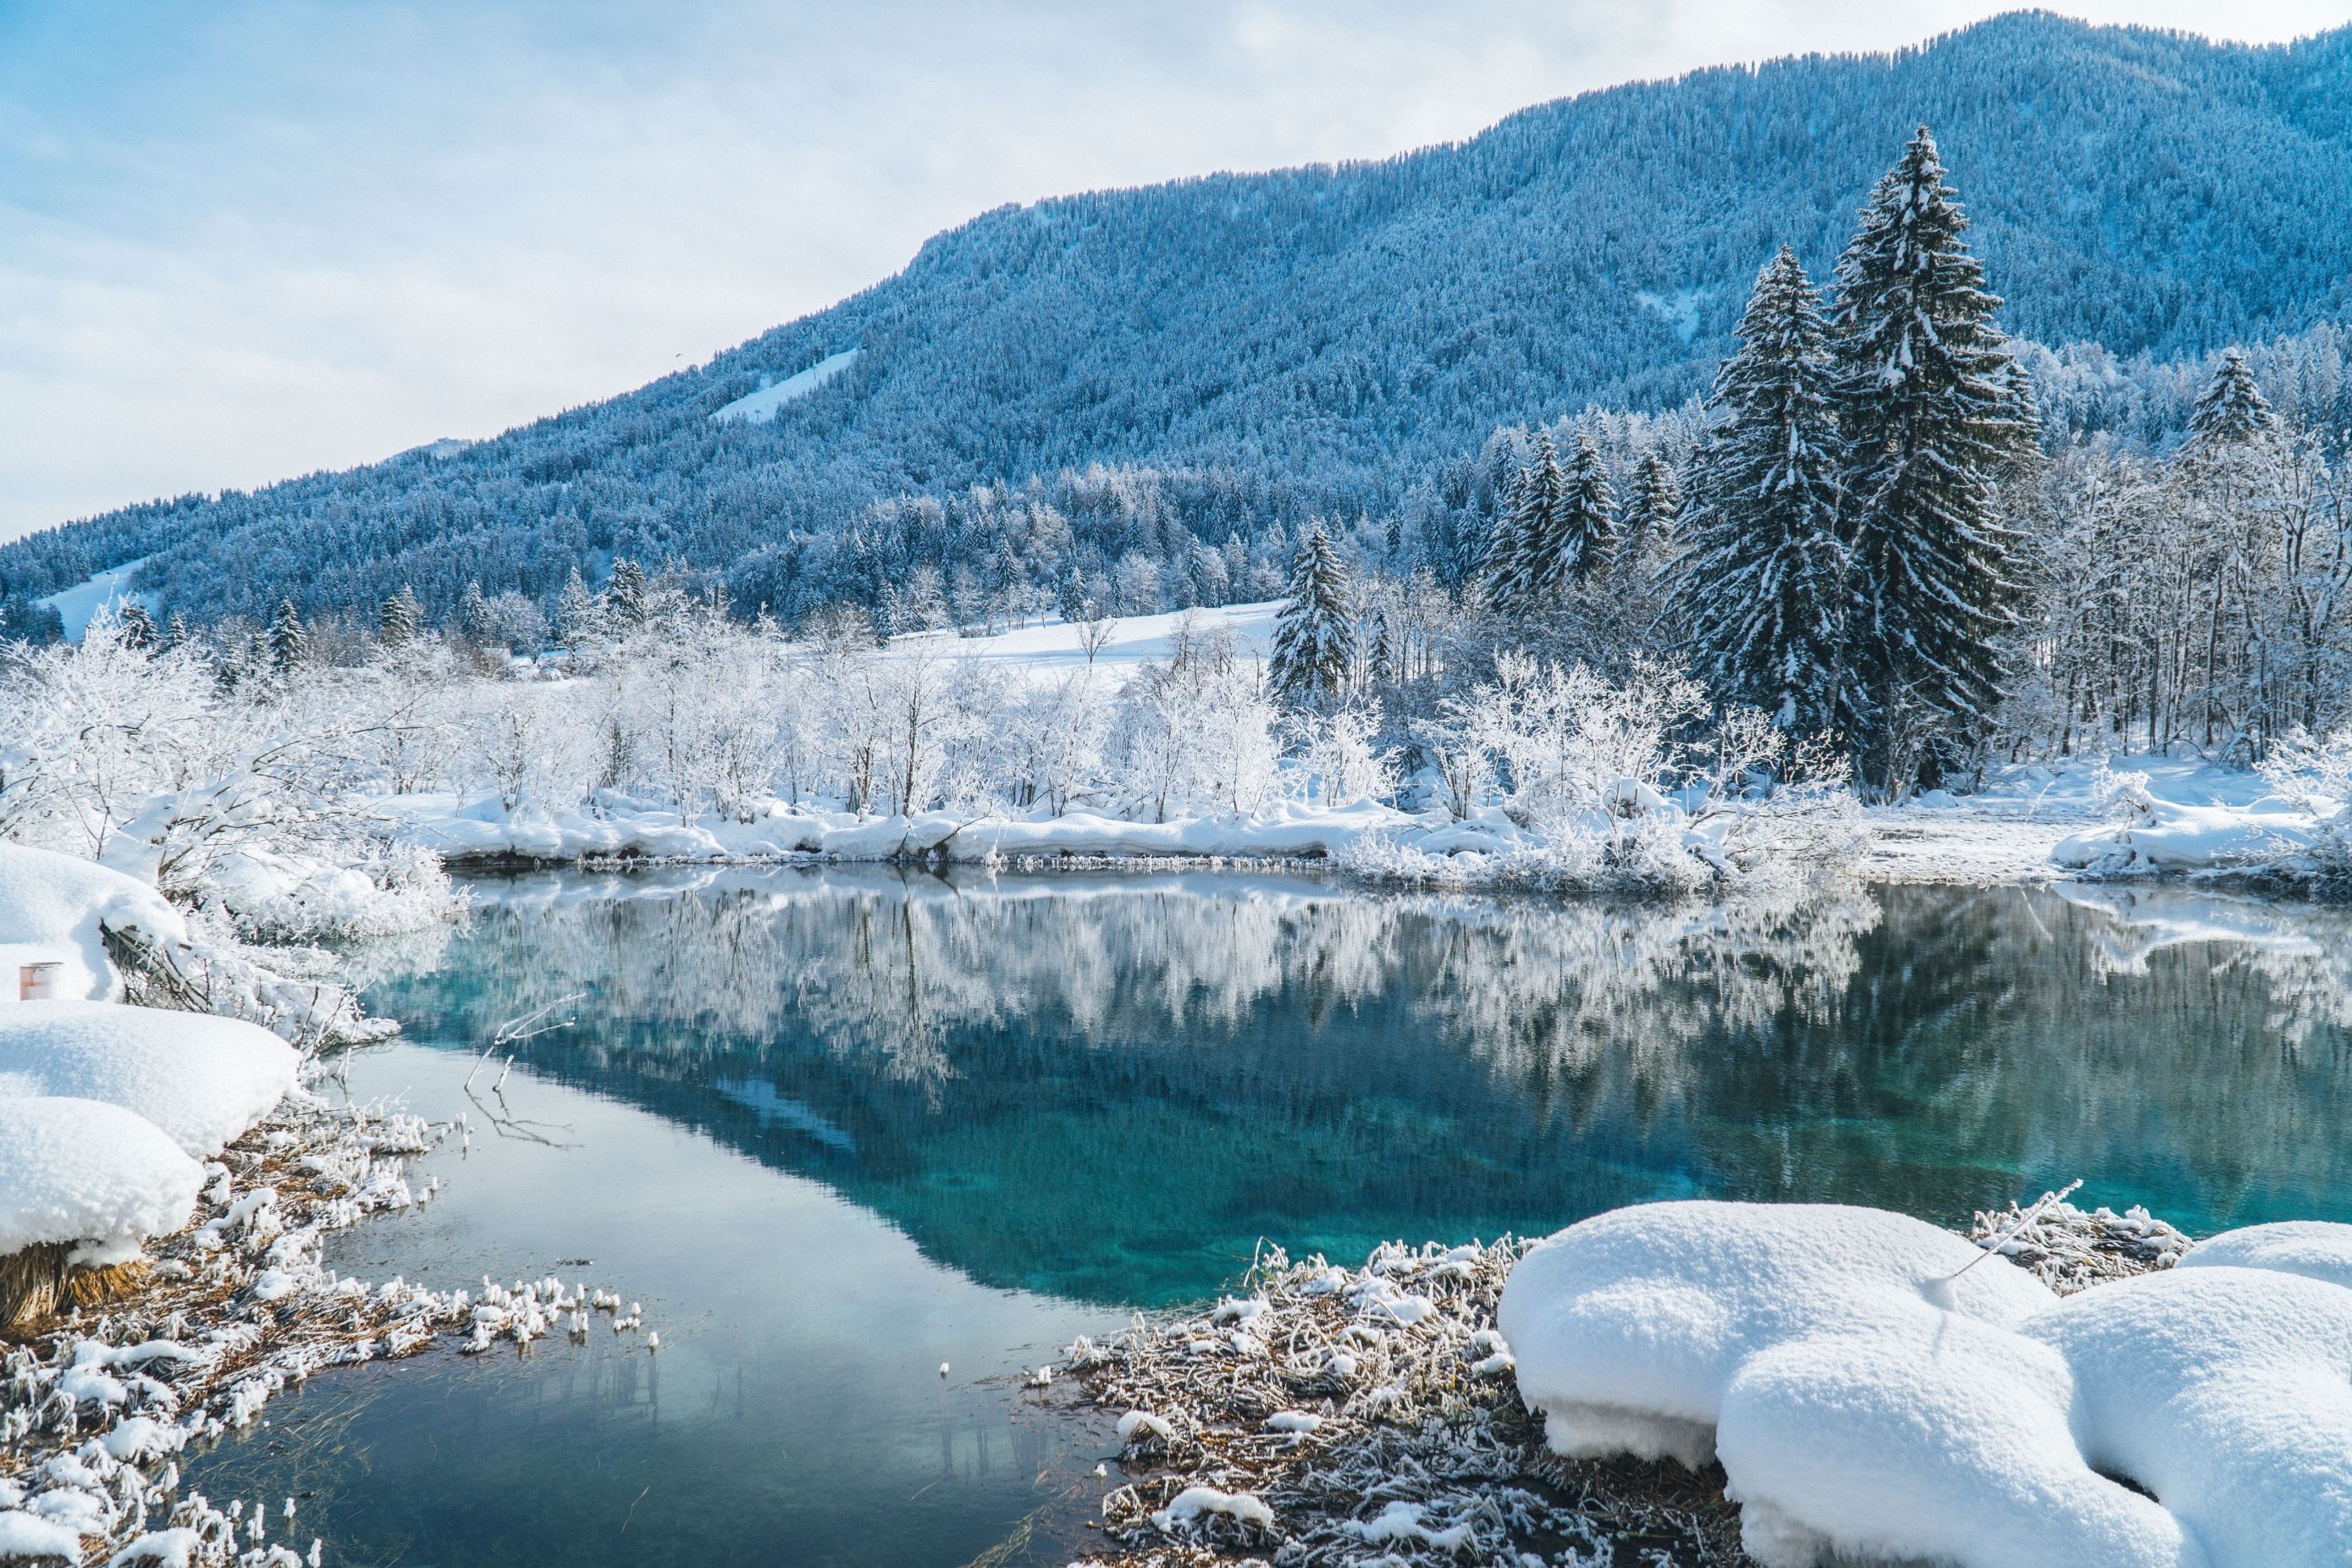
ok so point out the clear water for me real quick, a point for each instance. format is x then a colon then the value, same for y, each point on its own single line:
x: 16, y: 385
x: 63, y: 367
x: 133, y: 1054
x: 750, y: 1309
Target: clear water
x: 834, y: 1127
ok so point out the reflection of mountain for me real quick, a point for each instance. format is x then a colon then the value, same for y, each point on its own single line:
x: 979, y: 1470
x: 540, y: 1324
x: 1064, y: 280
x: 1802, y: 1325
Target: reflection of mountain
x: 1111, y: 1087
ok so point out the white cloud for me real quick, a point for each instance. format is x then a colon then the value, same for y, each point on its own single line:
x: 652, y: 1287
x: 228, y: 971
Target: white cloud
x: 250, y: 240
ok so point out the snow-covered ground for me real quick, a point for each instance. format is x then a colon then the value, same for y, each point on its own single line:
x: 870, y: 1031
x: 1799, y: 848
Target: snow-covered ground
x: 105, y: 1108
x: 1878, y: 1390
x: 1055, y: 647
x: 109, y: 589
x: 2103, y: 816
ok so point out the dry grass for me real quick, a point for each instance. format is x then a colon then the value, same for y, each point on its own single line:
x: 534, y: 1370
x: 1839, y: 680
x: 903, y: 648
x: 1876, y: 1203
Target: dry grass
x: 1421, y: 1451
x: 39, y: 1281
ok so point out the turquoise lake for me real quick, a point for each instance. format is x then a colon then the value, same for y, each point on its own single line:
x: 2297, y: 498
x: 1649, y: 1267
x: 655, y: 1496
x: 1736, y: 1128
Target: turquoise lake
x: 836, y: 1128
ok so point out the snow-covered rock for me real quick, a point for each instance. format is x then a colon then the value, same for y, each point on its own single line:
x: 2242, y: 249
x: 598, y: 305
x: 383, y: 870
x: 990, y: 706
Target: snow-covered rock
x: 81, y: 1171
x: 51, y: 908
x: 202, y: 1080
x: 2313, y: 1248
x: 2169, y: 835
x: 2226, y: 1392
x: 1875, y: 1388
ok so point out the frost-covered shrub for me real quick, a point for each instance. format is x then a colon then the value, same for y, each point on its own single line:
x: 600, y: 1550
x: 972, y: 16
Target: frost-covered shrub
x: 1193, y: 735
x: 1337, y: 753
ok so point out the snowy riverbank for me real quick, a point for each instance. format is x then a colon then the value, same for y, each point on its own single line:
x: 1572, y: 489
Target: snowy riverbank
x: 167, y: 1178
x: 1865, y: 1388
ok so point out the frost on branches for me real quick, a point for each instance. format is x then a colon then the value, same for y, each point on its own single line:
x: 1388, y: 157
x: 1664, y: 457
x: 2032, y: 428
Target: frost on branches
x: 1638, y: 786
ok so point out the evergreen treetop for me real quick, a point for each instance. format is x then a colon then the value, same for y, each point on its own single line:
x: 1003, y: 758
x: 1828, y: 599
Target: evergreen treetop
x: 1313, y: 638
x: 1656, y: 506
x: 401, y: 619
x: 289, y: 640
x: 2231, y: 410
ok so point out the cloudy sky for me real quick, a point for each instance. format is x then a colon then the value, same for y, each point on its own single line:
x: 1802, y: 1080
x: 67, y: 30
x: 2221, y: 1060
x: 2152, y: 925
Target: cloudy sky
x: 243, y: 240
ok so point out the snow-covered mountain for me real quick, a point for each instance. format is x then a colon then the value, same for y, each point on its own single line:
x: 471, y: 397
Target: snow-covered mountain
x: 1318, y: 339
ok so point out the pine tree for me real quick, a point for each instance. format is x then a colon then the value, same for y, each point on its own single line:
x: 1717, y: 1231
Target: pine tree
x: 138, y: 626
x: 1527, y: 541
x: 1928, y: 420
x: 625, y: 591
x: 2231, y: 410
x: 289, y: 641
x: 1312, y: 644
x: 1382, y: 664
x: 1586, y: 526
x: 1654, y: 510
x: 1763, y: 577
x: 401, y: 619
x: 576, y: 613
x: 474, y: 613
x: 1522, y: 528
x: 177, y: 633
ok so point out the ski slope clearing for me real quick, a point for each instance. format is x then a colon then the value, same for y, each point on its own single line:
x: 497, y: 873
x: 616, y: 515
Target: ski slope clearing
x: 761, y: 406
x: 108, y: 590
x: 1880, y: 1391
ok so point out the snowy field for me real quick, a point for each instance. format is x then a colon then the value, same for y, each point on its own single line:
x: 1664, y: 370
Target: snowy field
x: 1056, y: 647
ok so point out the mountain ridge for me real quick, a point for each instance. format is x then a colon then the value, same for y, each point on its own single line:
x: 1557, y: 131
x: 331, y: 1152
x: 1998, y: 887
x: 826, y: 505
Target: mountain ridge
x: 1326, y: 334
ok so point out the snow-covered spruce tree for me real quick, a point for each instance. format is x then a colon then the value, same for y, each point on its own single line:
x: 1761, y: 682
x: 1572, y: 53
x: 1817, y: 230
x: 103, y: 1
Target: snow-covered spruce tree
x: 579, y: 619
x: 139, y: 632
x: 1523, y: 530
x: 474, y: 613
x: 1763, y: 576
x: 289, y: 640
x: 1655, y: 508
x: 1928, y: 419
x: 1312, y: 641
x: 1586, y: 522
x: 625, y: 591
x: 402, y: 617
x: 2231, y: 410
x: 2230, y: 488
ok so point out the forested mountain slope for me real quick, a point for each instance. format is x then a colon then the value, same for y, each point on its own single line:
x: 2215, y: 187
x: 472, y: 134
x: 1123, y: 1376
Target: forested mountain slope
x: 1318, y: 338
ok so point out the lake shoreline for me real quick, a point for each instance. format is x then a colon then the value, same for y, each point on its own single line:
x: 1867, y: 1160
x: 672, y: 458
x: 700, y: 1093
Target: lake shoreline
x: 1342, y: 1417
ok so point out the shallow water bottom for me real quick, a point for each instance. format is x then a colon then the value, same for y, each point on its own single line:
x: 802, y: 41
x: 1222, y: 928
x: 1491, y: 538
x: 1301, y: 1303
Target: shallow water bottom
x: 794, y: 1413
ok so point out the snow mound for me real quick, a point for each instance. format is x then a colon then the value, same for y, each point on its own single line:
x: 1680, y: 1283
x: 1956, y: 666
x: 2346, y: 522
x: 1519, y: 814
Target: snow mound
x: 2315, y: 1250
x: 202, y: 1080
x: 2224, y: 1392
x: 51, y: 907
x: 79, y: 1171
x: 1862, y: 1376
x: 2167, y: 835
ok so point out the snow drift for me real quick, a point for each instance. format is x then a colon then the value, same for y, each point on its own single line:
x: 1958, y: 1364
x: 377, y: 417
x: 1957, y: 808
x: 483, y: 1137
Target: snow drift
x: 76, y: 1170
x: 1879, y: 1390
x: 52, y: 906
x: 202, y: 1080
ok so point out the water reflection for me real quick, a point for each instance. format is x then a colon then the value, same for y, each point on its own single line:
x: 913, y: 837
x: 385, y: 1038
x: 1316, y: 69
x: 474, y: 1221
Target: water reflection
x: 1111, y: 1088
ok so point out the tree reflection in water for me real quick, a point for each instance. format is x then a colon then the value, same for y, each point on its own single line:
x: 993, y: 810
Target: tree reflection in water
x: 1111, y: 1087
